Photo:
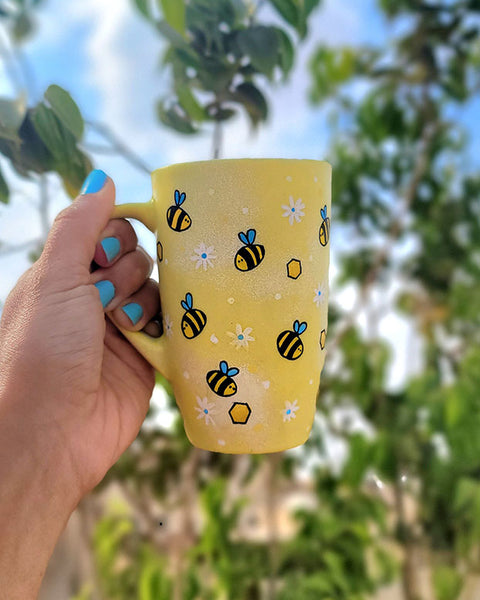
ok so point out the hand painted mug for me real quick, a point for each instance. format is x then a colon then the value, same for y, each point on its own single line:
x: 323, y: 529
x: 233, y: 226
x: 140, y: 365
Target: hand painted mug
x: 243, y: 256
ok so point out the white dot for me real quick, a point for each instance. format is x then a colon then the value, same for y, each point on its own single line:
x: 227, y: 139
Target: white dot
x: 186, y: 374
x: 288, y: 178
x: 166, y: 261
x: 231, y: 300
x: 266, y: 384
x: 311, y: 382
x: 278, y: 296
x: 310, y: 258
x: 245, y: 210
x: 211, y: 191
x: 221, y: 442
x: 214, y: 339
x: 315, y: 179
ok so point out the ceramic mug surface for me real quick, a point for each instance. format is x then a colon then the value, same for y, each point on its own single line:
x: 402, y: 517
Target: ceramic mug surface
x: 243, y: 256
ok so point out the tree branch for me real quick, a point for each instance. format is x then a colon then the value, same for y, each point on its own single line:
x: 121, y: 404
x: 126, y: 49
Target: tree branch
x: 119, y: 146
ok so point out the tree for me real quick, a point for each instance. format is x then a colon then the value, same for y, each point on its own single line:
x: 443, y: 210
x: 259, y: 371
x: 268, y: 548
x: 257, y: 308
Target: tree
x: 218, y: 52
x: 400, y: 182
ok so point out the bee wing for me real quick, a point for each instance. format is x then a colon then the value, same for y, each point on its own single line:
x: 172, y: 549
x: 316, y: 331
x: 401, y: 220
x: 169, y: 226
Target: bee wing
x: 251, y: 233
x: 183, y: 197
x: 189, y: 300
x: 223, y: 367
x: 302, y: 327
x: 296, y: 325
x: 233, y: 371
x: 177, y: 198
x: 184, y: 305
x: 243, y: 237
x: 323, y: 212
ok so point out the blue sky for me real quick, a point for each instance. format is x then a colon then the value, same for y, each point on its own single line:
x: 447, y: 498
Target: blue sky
x: 107, y: 57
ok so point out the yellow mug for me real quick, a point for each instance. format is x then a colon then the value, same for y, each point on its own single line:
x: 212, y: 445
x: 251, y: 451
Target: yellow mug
x: 243, y: 256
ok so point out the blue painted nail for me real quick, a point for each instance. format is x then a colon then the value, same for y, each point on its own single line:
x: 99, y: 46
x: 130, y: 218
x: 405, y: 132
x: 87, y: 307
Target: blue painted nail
x: 133, y: 311
x: 111, y: 247
x: 107, y: 291
x: 94, y: 182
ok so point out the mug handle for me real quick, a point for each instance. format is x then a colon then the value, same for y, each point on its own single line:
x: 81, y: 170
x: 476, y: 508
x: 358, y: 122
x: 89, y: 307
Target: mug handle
x: 153, y: 349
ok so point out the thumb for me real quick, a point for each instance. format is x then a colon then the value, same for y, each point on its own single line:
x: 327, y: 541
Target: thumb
x: 72, y: 239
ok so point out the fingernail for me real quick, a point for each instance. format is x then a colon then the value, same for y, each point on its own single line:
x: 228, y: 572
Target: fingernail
x: 111, y: 247
x: 133, y: 311
x: 94, y: 182
x: 106, y: 290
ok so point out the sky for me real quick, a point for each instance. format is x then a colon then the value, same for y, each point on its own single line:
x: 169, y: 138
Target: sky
x: 108, y: 57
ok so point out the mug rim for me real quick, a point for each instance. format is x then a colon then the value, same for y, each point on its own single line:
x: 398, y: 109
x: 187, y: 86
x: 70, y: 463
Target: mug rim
x: 257, y: 160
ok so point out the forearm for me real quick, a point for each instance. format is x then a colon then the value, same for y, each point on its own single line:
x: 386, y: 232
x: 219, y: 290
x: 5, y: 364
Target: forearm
x: 35, y: 504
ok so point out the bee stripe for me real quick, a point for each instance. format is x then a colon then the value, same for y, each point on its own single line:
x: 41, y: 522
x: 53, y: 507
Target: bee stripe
x: 285, y: 340
x: 218, y: 384
x: 293, y: 347
x: 201, y: 317
x: 195, y: 319
x: 211, y: 376
x: 260, y: 251
x: 176, y: 217
x: 184, y: 225
x: 250, y: 256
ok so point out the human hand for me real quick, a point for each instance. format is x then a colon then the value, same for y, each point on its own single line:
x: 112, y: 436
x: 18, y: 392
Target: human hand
x: 73, y: 391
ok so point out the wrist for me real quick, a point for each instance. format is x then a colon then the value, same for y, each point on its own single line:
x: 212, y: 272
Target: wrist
x: 36, y: 501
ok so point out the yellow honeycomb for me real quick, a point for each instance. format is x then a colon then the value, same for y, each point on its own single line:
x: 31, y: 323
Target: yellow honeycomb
x: 239, y: 412
x: 294, y: 268
x: 323, y: 337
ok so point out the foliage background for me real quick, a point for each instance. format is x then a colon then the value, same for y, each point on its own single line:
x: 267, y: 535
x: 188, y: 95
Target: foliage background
x: 388, y: 92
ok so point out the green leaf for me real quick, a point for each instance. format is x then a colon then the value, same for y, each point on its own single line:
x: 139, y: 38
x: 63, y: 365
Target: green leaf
x: 70, y: 163
x: 22, y: 27
x: 174, y: 13
x: 66, y: 109
x: 288, y: 10
x: 358, y: 461
x: 189, y: 103
x: 285, y: 50
x: 12, y: 113
x: 4, y: 192
x: 175, y: 118
x: 206, y: 16
x: 177, y: 40
x: 142, y: 6
x: 447, y: 583
x: 330, y: 68
x: 306, y: 7
x: 252, y: 100
x: 224, y: 114
x: 261, y: 45
x: 27, y: 152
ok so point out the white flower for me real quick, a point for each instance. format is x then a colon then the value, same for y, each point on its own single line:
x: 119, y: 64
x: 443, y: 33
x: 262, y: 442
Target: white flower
x: 168, y: 325
x: 205, y: 410
x: 289, y: 410
x: 294, y: 212
x: 204, y: 256
x: 241, y: 337
x: 318, y: 294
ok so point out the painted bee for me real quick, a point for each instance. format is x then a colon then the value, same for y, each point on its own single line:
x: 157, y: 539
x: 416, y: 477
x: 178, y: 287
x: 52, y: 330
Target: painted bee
x: 289, y: 343
x: 250, y: 255
x: 221, y: 381
x: 324, y: 232
x: 194, y: 320
x: 177, y: 218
